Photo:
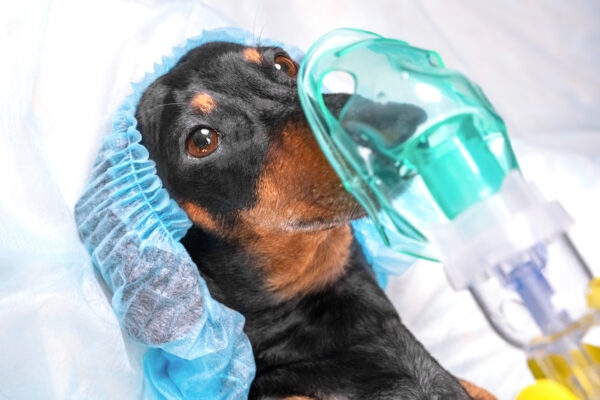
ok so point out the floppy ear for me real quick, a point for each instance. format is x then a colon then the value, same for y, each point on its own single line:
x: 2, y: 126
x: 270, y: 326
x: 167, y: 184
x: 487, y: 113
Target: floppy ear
x: 476, y: 392
x: 148, y: 113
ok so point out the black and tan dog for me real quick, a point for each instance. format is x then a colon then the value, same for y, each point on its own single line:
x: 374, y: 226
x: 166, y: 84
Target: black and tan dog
x: 271, y: 231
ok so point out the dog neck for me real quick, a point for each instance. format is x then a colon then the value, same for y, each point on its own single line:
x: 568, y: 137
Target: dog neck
x: 289, y: 262
x: 298, y: 262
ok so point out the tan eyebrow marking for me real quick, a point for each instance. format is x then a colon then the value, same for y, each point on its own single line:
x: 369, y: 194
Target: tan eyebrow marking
x: 252, y: 55
x: 204, y: 102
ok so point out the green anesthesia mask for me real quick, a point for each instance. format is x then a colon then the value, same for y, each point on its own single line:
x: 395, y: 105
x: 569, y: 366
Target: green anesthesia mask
x: 416, y: 143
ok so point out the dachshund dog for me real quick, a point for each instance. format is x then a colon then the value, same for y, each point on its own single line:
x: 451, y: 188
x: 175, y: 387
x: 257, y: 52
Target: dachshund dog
x: 271, y: 232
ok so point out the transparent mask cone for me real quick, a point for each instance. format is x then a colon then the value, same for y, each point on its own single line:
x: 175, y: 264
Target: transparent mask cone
x: 415, y: 143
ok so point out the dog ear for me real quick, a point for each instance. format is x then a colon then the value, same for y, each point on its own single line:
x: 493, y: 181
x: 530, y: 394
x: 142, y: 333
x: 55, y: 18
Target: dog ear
x: 148, y: 114
x: 476, y: 392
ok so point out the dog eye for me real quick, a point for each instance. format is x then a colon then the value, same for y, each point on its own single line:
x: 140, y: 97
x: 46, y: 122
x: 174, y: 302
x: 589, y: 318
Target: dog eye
x: 287, y: 65
x: 202, y: 142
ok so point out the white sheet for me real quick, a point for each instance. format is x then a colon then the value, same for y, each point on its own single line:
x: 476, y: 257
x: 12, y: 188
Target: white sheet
x: 68, y: 63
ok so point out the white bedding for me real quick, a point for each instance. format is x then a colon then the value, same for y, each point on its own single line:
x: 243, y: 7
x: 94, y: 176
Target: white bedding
x: 67, y: 65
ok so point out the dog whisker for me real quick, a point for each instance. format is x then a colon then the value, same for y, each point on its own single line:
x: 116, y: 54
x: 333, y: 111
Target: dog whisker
x: 260, y: 36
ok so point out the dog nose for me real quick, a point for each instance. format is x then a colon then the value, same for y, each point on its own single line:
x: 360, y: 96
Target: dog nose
x: 335, y: 102
x: 391, y: 123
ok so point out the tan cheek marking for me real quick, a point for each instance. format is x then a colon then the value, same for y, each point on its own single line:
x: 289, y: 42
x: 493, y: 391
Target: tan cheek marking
x: 476, y: 392
x: 200, y: 216
x: 295, y: 262
x: 204, y: 102
x: 293, y: 169
x: 252, y: 55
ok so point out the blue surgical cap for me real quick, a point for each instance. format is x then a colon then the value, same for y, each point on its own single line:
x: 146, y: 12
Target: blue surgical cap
x: 132, y: 228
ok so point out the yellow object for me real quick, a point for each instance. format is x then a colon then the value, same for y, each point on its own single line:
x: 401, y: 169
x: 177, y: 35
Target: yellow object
x: 576, y: 366
x: 575, y: 371
x: 593, y: 294
x: 544, y: 389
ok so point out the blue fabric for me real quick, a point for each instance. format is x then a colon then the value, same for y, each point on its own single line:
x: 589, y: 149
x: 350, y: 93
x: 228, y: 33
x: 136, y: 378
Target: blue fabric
x: 132, y: 228
x: 384, y: 260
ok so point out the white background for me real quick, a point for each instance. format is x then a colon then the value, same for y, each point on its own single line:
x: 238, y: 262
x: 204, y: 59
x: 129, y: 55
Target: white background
x: 67, y: 64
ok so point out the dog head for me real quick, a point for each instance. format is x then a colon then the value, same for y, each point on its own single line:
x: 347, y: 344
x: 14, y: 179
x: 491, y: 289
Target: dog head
x: 234, y: 149
x: 227, y: 132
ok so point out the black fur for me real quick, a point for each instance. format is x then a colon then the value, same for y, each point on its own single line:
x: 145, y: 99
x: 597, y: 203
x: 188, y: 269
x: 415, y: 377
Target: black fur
x: 343, y: 342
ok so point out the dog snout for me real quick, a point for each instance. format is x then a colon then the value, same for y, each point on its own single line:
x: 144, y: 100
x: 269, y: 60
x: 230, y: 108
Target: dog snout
x: 393, y: 123
x: 335, y: 102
